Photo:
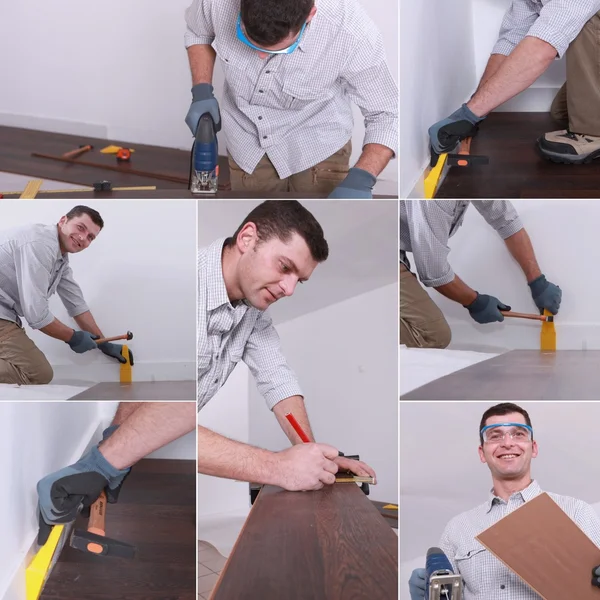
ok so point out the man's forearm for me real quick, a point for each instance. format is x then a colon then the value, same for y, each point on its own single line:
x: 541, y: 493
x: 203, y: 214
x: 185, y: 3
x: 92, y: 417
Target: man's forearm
x: 86, y: 322
x: 526, y: 63
x: 519, y: 245
x: 202, y: 63
x: 458, y: 291
x: 294, y: 405
x: 152, y: 426
x: 58, y: 330
x: 494, y: 63
x: 374, y: 158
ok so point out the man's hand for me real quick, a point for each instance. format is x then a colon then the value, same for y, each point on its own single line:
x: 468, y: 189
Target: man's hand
x: 306, y: 467
x: 355, y: 466
x: 447, y: 133
x: 63, y: 493
x: 357, y: 184
x: 203, y: 101
x: 113, y: 350
x: 486, y: 309
x: 82, y: 341
x: 545, y: 294
x: 416, y: 584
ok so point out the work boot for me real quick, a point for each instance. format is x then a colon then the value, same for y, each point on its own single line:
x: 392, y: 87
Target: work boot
x: 558, y: 110
x: 565, y: 146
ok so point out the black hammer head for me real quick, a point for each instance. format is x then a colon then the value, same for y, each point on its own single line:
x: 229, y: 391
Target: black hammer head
x: 99, y: 544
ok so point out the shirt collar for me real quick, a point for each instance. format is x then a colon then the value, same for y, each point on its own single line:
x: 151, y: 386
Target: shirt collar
x: 59, y: 254
x: 529, y: 493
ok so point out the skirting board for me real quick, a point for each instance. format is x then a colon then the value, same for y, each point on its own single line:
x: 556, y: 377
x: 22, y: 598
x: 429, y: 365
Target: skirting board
x: 54, y: 125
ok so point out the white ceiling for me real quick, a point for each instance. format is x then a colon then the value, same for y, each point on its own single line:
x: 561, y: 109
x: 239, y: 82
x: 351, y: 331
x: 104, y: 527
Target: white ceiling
x: 363, y: 249
x: 441, y: 475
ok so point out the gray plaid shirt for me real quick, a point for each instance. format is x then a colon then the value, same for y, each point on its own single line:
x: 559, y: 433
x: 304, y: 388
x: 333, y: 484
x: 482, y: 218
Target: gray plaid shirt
x: 485, y: 577
x: 296, y: 108
x: 557, y: 22
x: 228, y: 333
x: 427, y: 225
x: 32, y: 268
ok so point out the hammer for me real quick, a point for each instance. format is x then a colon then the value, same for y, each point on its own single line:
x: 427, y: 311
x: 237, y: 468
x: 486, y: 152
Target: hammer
x: 125, y: 336
x: 518, y: 315
x: 78, y: 151
x: 94, y: 539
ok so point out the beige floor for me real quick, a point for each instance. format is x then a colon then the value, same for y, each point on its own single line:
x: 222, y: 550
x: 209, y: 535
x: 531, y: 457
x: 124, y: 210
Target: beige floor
x: 210, y: 564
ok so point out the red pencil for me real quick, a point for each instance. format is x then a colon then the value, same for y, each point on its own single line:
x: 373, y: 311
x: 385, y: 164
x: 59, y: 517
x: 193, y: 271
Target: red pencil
x: 290, y: 417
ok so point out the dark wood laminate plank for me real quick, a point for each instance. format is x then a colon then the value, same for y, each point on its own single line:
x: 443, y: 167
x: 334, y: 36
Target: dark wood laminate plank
x: 520, y: 375
x: 140, y: 390
x: 516, y: 169
x: 331, y: 543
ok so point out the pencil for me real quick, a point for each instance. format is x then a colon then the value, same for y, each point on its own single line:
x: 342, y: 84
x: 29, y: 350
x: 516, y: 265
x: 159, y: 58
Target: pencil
x: 290, y: 417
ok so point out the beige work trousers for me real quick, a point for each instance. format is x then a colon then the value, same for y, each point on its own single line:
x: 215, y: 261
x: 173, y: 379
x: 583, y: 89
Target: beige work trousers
x: 21, y: 361
x: 578, y: 100
x: 320, y: 179
x: 422, y: 324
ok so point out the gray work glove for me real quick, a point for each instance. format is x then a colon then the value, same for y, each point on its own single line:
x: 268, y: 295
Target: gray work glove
x: 486, y: 309
x: 416, y: 584
x: 203, y: 101
x: 113, y: 350
x: 596, y: 576
x: 545, y: 294
x: 445, y: 135
x: 63, y: 493
x: 357, y: 184
x: 82, y: 341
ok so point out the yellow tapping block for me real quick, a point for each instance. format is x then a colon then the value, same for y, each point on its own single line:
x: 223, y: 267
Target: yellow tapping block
x: 37, y: 571
x: 125, y: 374
x: 548, y: 335
x: 31, y: 189
x: 433, y: 177
x: 390, y: 507
x: 113, y: 149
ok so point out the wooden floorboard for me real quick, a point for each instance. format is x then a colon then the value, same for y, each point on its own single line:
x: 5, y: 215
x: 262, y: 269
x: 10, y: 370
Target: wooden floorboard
x: 331, y: 543
x: 521, y: 375
x: 516, y: 169
x: 155, y: 513
x: 140, y: 390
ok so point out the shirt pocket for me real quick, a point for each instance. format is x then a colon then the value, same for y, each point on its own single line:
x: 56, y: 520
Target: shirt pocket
x: 470, y: 563
x: 235, y: 69
x: 297, y: 95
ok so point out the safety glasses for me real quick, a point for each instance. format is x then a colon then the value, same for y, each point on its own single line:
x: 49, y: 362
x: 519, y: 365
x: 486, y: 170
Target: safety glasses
x: 496, y: 433
x: 242, y: 37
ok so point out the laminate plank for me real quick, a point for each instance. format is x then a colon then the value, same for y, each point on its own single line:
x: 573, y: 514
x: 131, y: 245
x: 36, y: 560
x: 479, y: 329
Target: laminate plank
x: 516, y: 168
x: 156, y: 513
x: 330, y: 543
x: 140, y: 390
x: 520, y: 375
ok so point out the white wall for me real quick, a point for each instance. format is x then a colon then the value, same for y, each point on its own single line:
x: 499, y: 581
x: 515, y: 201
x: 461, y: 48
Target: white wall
x: 138, y: 275
x: 35, y: 439
x: 561, y: 232
x: 438, y: 75
x: 350, y: 383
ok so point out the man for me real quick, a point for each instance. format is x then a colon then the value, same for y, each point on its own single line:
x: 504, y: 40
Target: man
x: 34, y: 264
x: 425, y: 227
x: 292, y: 69
x: 533, y: 34
x: 137, y: 429
x: 277, y: 246
x: 507, y: 447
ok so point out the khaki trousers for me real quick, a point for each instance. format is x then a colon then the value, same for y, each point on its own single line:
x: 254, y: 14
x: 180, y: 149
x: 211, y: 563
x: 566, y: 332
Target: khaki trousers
x: 21, y: 361
x: 579, y: 98
x: 320, y: 179
x: 422, y: 324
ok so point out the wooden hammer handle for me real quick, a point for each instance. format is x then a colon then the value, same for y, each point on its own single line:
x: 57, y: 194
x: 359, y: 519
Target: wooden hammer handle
x: 77, y: 152
x: 125, y: 336
x: 518, y: 315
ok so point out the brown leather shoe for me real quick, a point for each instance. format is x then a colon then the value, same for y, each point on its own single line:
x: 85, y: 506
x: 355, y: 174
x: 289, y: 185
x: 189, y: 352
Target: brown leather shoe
x: 565, y: 146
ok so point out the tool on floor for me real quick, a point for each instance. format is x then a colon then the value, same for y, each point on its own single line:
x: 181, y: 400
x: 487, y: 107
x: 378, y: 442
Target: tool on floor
x: 125, y: 336
x: 123, y: 155
x: 548, y: 334
x: 115, y: 150
x: 204, y: 175
x: 78, y: 151
x: 463, y: 158
x: 94, y: 540
x: 390, y: 507
x: 31, y: 189
x: 518, y: 315
x: 125, y: 374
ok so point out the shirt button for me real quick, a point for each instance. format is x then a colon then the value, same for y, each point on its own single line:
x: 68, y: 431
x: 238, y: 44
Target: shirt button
x: 265, y: 137
x: 260, y: 118
x: 267, y: 71
x: 261, y: 91
x: 216, y: 381
x: 502, y: 586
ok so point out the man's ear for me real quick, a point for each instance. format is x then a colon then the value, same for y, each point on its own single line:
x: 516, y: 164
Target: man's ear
x: 311, y: 14
x: 246, y: 238
x: 63, y: 220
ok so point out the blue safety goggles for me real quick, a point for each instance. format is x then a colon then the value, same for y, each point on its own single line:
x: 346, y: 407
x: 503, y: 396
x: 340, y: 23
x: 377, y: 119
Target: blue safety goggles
x: 242, y: 37
x: 518, y: 432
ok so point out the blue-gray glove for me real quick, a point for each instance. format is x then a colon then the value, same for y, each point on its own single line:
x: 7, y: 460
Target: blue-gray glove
x: 545, y: 294
x: 113, y: 350
x: 203, y: 101
x: 447, y: 133
x: 357, y: 184
x: 416, y: 584
x: 63, y: 493
x: 486, y: 309
x: 596, y: 576
x: 82, y: 341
